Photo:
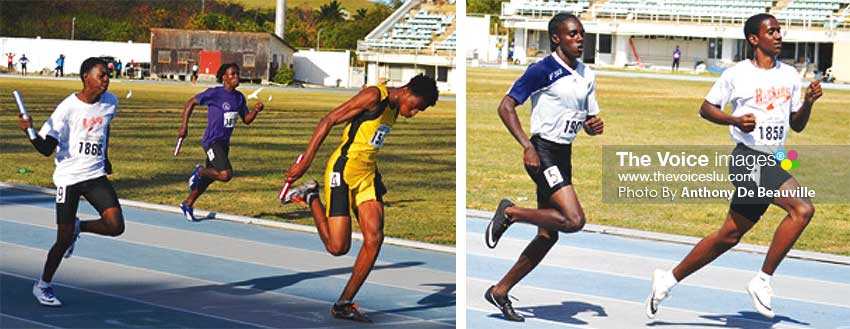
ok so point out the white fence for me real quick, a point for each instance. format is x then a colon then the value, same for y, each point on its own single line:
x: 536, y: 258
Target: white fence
x: 43, y: 53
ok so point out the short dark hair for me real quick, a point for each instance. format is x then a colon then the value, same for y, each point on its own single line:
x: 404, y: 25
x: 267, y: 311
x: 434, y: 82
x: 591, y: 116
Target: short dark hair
x: 424, y: 87
x: 88, y: 64
x: 223, y: 69
x: 753, y: 25
x: 555, y: 23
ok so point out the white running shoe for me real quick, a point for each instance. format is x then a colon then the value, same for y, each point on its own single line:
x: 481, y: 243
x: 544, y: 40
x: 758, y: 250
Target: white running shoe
x: 45, y: 296
x: 761, y: 294
x: 70, y: 250
x: 659, y: 292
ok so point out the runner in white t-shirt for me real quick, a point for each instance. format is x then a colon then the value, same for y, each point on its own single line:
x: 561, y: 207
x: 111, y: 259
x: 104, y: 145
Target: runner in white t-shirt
x: 78, y: 130
x: 765, y: 98
x: 563, y: 101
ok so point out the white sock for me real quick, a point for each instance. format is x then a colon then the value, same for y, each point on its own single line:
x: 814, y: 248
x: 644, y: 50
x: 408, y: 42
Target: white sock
x: 668, y: 280
x: 764, y: 277
x: 42, y: 284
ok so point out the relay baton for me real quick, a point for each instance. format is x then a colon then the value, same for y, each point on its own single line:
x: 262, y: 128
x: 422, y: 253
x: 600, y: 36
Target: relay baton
x: 26, y: 115
x: 179, y: 144
x: 286, y: 184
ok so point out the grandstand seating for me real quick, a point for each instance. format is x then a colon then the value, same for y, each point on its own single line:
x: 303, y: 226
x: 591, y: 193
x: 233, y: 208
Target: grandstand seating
x: 826, y: 13
x: 417, y: 31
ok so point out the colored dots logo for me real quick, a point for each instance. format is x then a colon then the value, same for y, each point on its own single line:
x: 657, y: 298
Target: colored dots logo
x: 788, y: 160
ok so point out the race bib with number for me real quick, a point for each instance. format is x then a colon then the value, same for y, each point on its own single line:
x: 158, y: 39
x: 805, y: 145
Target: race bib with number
x: 230, y: 119
x: 553, y: 176
x: 770, y: 130
x: 60, y: 194
x: 379, y: 136
x: 211, y: 154
x: 335, y: 179
x: 90, y: 147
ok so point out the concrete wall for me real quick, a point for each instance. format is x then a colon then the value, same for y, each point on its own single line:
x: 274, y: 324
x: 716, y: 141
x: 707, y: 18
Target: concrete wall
x: 43, y: 53
x: 477, y: 32
x: 841, y: 68
x: 324, y: 68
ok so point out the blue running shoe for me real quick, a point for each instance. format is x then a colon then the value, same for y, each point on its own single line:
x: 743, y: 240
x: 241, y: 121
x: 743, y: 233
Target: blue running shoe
x: 189, y: 212
x: 70, y: 250
x: 195, y: 178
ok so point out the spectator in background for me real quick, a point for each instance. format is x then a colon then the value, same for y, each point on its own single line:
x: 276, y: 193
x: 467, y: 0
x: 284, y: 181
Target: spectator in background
x: 60, y: 65
x: 10, y: 63
x: 677, y: 54
x: 23, y: 60
x: 195, y: 73
x: 111, y: 68
x: 118, y: 68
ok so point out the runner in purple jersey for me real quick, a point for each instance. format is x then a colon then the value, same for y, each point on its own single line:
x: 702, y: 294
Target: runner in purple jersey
x: 224, y: 105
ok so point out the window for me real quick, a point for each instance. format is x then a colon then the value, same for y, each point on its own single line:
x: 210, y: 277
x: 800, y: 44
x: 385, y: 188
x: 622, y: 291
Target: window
x: 163, y: 56
x: 184, y: 57
x: 248, y: 60
x: 395, y: 72
x: 604, y: 43
x: 442, y: 73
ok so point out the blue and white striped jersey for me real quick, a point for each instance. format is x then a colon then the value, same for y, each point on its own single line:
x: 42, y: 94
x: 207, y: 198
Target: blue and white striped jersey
x: 561, y: 98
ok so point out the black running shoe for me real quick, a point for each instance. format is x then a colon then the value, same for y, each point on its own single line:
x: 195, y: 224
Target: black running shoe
x: 498, y: 225
x: 347, y: 310
x: 504, y: 305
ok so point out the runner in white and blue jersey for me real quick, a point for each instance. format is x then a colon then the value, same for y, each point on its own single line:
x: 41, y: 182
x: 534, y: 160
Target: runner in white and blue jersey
x: 563, y: 101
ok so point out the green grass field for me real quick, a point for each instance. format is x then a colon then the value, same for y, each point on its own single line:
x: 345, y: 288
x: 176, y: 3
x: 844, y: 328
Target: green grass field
x: 350, y: 5
x: 638, y: 112
x: 417, y: 162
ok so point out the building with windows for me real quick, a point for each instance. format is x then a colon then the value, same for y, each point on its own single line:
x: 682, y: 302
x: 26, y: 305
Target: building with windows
x: 259, y: 55
x: 419, y: 37
x: 645, y: 32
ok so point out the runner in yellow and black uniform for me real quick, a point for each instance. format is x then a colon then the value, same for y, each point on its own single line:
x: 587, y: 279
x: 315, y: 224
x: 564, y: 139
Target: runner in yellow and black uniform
x: 352, y: 180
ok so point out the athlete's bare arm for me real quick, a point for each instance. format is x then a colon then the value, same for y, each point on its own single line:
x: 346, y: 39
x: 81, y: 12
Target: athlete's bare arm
x: 248, y: 118
x: 187, y: 112
x: 507, y: 112
x: 800, y: 118
x: 45, y: 146
x: 714, y: 113
x: 366, y: 100
x: 593, y: 125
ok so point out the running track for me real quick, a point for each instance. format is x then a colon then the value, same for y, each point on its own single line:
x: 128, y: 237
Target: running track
x: 166, y: 272
x: 592, y: 280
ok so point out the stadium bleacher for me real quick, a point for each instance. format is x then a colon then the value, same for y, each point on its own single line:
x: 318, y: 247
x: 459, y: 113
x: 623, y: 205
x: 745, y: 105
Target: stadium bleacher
x: 818, y: 13
x: 419, y: 30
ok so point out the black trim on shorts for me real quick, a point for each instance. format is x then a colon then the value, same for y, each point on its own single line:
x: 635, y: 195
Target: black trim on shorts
x: 339, y: 200
x: 771, y: 178
x: 551, y: 154
x: 380, y: 188
x: 221, y: 154
x: 97, y: 191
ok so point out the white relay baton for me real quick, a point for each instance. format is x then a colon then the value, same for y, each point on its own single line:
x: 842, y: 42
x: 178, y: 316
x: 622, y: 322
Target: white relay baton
x: 26, y: 115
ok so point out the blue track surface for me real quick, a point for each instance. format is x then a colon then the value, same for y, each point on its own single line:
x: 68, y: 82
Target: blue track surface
x: 601, y: 281
x: 214, y: 274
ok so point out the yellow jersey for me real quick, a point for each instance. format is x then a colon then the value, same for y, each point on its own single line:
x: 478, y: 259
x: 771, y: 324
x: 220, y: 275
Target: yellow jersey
x: 364, y: 134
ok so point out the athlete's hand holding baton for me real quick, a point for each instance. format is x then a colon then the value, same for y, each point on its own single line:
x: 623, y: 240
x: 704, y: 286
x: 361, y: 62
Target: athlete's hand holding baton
x: 24, y: 116
x: 291, y: 176
x: 180, y: 135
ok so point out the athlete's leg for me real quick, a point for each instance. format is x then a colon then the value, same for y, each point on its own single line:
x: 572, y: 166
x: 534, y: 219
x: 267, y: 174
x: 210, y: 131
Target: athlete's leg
x: 528, y: 260
x: 714, y: 245
x: 220, y: 175
x: 371, y: 219
x: 800, y: 212
x: 111, y: 223
x: 567, y: 217
x: 335, y: 231
x: 64, y: 238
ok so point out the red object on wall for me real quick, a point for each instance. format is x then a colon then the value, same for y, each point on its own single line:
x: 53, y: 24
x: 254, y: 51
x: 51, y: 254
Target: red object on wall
x: 210, y: 61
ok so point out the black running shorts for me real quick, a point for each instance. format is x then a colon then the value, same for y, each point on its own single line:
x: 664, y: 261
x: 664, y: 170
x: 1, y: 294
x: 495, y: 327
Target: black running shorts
x: 556, y: 169
x: 218, y: 156
x: 770, y: 177
x: 98, y: 192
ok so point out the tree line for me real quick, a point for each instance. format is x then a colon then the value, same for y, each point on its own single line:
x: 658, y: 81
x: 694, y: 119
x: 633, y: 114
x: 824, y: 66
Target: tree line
x: 132, y: 20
